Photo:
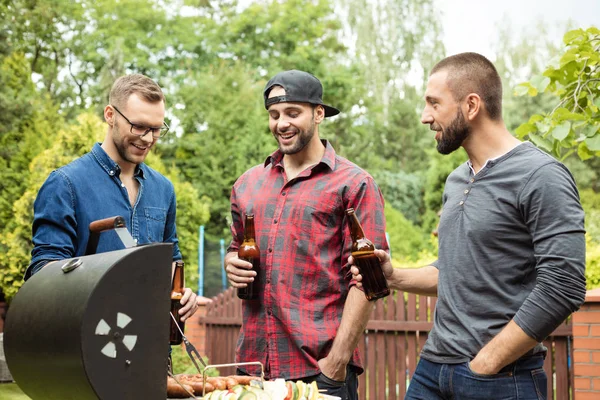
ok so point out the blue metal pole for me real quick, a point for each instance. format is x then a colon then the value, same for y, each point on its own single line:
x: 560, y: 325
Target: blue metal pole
x: 201, y: 261
x: 224, y: 275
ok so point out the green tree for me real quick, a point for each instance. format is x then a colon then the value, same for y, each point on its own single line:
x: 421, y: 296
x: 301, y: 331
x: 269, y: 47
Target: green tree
x: 574, y: 123
x: 394, y: 41
x: 26, y: 126
x: 407, y: 241
x: 76, y: 47
x: 520, y: 55
x: 226, y: 133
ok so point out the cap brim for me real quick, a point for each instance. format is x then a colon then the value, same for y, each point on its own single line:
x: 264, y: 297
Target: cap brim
x: 330, y: 111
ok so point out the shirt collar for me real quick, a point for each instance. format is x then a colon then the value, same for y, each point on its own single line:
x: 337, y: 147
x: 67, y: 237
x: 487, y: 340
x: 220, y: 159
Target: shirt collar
x: 110, y: 166
x: 491, y: 160
x: 276, y: 158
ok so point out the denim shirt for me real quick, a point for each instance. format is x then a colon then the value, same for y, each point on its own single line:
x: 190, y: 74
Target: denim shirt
x: 89, y: 189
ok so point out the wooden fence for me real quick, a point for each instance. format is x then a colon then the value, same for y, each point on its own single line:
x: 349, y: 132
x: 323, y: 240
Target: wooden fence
x: 390, y: 348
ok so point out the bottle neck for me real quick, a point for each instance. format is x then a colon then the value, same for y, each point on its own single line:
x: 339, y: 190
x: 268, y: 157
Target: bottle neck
x: 249, y: 229
x: 356, y: 230
x: 178, y: 278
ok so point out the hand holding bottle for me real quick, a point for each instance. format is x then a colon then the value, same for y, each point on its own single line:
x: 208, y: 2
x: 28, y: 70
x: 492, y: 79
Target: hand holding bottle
x: 386, y: 266
x: 239, y: 272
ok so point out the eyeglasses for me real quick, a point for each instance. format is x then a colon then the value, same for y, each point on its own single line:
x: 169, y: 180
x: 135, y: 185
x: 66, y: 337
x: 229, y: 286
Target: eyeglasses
x: 140, y: 130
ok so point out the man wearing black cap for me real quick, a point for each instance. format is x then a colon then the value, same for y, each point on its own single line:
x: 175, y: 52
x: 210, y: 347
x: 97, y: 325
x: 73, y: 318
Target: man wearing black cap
x: 309, y: 317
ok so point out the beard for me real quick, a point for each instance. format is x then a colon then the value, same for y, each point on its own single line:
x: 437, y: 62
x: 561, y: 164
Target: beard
x: 121, y: 145
x: 303, y: 138
x: 454, y: 135
x: 119, y: 142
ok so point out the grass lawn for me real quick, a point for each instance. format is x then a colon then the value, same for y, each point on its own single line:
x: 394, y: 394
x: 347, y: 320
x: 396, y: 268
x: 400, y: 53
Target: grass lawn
x: 10, y: 391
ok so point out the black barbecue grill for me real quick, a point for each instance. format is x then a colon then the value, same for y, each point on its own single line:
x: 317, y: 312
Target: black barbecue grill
x: 93, y: 327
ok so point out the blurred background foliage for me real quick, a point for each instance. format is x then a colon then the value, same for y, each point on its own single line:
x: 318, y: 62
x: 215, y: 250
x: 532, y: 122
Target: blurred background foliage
x: 58, y: 61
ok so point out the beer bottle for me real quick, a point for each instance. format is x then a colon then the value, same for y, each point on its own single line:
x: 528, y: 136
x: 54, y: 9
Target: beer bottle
x: 175, y: 336
x: 373, y: 279
x: 250, y: 252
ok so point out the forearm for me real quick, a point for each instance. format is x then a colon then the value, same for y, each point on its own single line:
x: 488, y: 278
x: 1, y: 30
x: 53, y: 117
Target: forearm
x: 357, y: 311
x: 422, y: 281
x: 508, y: 346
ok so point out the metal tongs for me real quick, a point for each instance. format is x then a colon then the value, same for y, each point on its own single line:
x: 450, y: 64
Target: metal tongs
x: 191, y: 350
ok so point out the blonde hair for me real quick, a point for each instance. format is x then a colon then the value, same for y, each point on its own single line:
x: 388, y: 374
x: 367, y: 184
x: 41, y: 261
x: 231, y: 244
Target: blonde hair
x: 139, y: 84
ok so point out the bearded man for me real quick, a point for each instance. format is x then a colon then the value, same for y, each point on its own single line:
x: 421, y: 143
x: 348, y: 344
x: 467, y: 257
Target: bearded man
x: 309, y: 317
x: 511, y: 259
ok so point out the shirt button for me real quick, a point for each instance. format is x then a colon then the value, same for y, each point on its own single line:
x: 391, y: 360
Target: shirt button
x: 268, y: 281
x: 275, y: 221
x: 466, y: 191
x: 122, y: 185
x: 472, y: 180
x: 461, y: 203
x: 283, y: 193
x: 270, y: 250
x: 111, y: 173
x: 270, y: 312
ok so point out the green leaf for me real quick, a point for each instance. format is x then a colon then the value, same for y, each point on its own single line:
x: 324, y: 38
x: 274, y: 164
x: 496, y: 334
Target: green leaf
x: 532, y: 91
x: 583, y: 152
x: 543, y: 127
x: 593, y: 143
x: 572, y: 35
x: 525, y: 129
x: 590, y: 130
x: 556, y: 148
x: 521, y: 90
x: 567, y: 58
x: 540, y: 142
x: 562, y: 114
x: 540, y: 82
x: 560, y: 132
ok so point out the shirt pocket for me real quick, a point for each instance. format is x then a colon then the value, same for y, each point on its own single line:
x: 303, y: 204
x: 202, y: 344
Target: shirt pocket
x: 155, y: 223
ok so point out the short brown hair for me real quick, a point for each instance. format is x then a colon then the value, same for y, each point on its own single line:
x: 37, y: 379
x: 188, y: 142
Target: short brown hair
x: 473, y: 73
x: 139, y: 84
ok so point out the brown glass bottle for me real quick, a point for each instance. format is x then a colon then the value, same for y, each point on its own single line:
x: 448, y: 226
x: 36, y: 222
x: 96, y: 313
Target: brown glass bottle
x: 250, y: 252
x: 175, y: 336
x: 363, y: 252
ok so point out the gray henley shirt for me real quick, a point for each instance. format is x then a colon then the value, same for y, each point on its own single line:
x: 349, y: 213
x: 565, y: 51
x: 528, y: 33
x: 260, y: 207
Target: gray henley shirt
x: 511, y: 246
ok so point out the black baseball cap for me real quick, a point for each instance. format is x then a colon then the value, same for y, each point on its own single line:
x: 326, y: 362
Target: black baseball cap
x: 300, y: 87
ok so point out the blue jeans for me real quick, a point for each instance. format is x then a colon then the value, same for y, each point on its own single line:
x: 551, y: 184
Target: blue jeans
x: 524, y: 379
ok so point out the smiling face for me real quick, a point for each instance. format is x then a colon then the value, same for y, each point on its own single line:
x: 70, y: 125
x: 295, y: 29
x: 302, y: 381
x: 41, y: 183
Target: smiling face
x: 293, y: 125
x: 126, y: 147
x: 444, y: 115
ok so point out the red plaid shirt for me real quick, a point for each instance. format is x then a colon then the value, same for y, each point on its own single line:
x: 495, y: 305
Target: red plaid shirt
x: 304, y: 242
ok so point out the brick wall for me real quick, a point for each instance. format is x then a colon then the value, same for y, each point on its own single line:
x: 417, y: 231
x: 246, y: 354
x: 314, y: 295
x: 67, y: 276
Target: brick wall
x: 196, y: 332
x: 586, y: 348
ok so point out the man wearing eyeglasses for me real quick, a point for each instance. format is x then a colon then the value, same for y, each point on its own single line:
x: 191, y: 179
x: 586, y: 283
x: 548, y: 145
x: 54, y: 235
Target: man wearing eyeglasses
x: 110, y: 180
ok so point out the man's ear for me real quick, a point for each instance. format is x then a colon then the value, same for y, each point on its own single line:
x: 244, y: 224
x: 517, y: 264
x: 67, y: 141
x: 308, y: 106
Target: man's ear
x: 319, y: 114
x: 474, y: 106
x: 109, y: 115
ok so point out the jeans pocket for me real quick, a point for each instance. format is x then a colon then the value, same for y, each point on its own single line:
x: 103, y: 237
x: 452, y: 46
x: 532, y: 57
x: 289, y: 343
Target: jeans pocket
x: 493, y: 376
x: 540, y: 381
x: 332, y: 387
